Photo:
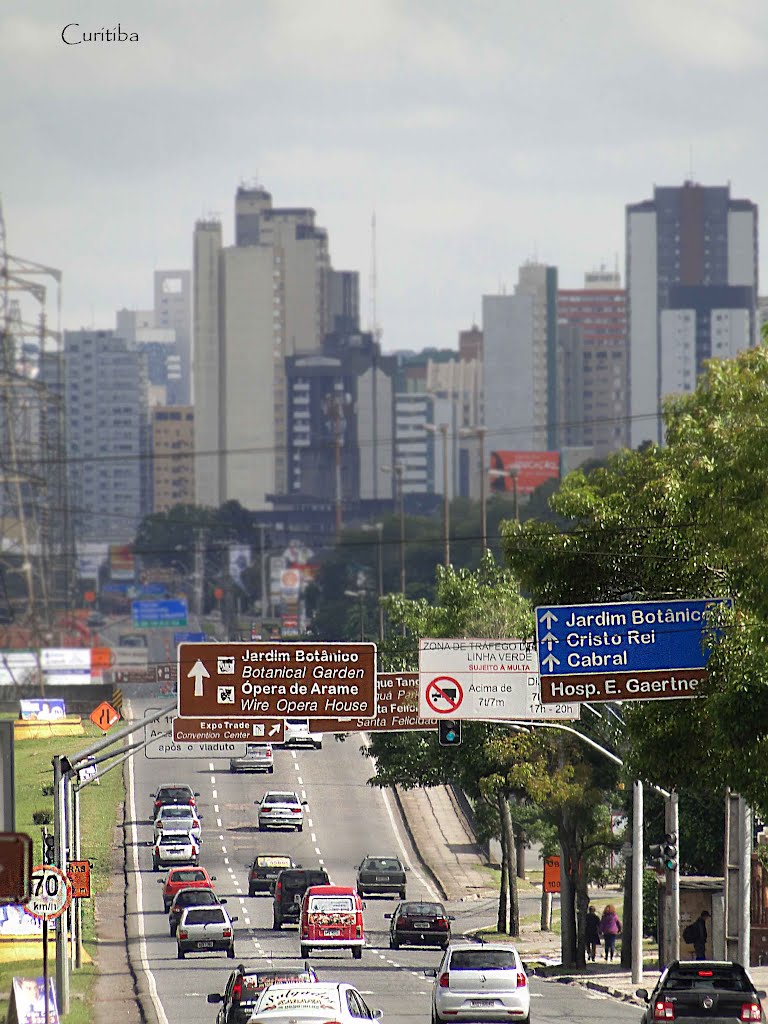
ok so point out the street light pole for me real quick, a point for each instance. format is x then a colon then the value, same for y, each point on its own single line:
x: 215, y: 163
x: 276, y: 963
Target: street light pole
x: 513, y: 472
x: 431, y: 428
x: 480, y: 432
x: 379, y: 528
x: 397, y: 471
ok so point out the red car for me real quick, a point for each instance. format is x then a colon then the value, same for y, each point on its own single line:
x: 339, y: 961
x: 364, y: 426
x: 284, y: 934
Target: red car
x: 184, y: 878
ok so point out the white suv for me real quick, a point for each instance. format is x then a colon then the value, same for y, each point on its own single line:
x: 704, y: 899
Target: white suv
x: 297, y: 734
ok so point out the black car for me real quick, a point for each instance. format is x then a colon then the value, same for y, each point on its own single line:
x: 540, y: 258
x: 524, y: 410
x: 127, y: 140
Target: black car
x: 265, y: 869
x: 711, y: 990
x: 192, y: 897
x: 381, y: 875
x: 290, y: 886
x: 419, y: 924
x: 172, y: 793
x: 244, y: 987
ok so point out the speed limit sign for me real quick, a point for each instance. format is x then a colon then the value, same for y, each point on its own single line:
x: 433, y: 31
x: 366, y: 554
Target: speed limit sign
x: 51, y: 893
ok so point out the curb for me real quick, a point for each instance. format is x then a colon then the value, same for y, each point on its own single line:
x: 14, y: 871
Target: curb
x: 594, y: 986
x: 407, y: 826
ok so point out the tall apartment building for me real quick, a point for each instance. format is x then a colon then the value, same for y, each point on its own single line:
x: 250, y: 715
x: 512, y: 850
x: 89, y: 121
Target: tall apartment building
x: 592, y: 335
x: 508, y: 373
x: 540, y: 283
x: 692, y: 288
x: 105, y: 385
x: 271, y: 296
x: 173, y: 468
x: 173, y: 311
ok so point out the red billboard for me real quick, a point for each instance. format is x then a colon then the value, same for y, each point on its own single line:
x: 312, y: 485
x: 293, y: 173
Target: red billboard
x: 533, y: 470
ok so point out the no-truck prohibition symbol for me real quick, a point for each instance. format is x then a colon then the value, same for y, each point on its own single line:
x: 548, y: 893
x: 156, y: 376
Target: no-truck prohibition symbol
x: 444, y: 695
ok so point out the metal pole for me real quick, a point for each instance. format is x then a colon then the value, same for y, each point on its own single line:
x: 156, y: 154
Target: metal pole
x: 46, y: 983
x: 446, y: 498
x: 69, y: 792
x: 78, y: 903
x: 745, y: 881
x: 380, y: 538
x: 483, y: 501
x: 515, y: 505
x: 265, y: 609
x: 673, y: 881
x: 401, y: 493
x: 637, y: 883
x: 198, y: 581
x: 59, y: 829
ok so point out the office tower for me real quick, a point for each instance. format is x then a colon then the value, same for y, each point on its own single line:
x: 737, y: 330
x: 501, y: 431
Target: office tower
x: 105, y: 383
x: 255, y: 303
x: 540, y: 283
x: 173, y: 310
x: 592, y: 336
x: 508, y: 373
x: 414, y: 446
x: 173, y: 468
x: 691, y: 289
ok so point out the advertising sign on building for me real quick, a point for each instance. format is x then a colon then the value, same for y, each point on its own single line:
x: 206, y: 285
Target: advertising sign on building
x: 122, y: 565
x: 66, y: 666
x: 533, y: 470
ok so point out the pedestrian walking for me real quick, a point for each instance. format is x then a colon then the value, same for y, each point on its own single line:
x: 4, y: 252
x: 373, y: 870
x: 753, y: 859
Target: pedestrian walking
x: 610, y: 927
x: 592, y: 933
x: 696, y: 934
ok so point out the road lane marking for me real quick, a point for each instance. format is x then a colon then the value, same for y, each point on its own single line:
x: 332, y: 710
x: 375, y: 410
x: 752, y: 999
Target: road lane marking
x: 210, y: 766
x: 300, y: 781
x: 309, y: 820
x: 314, y: 838
x: 303, y: 794
x: 216, y: 808
x: 215, y: 795
x: 317, y: 849
x: 297, y: 766
x: 320, y: 861
x: 293, y: 754
x: 223, y: 849
x: 218, y: 822
x: 226, y: 861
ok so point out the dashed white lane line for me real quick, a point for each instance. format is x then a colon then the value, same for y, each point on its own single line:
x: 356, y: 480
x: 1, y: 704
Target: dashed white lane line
x: 296, y: 766
x: 303, y: 794
x: 216, y: 808
x: 293, y: 754
x: 215, y: 795
x: 300, y: 781
x: 221, y: 837
x: 218, y: 822
x: 314, y: 838
x: 309, y: 820
x: 320, y: 860
x: 223, y: 849
x: 210, y: 766
x: 226, y: 861
x: 317, y: 849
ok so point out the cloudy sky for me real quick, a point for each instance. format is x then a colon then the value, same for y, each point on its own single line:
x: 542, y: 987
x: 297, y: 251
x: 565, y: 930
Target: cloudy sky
x: 482, y: 132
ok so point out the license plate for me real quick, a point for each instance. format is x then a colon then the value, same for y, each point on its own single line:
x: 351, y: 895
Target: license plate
x: 204, y: 945
x: 382, y: 878
x: 331, y: 931
x: 421, y: 924
x: 482, y: 1002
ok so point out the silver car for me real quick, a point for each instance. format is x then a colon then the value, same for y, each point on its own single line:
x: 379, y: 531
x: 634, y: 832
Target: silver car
x: 480, y: 983
x: 281, y: 810
x: 258, y: 757
x: 177, y: 818
x: 205, y: 928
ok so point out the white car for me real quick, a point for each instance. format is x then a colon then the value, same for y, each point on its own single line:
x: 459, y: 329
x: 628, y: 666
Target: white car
x: 205, y: 928
x: 479, y: 983
x: 281, y: 810
x: 178, y: 818
x: 296, y: 734
x: 312, y: 1003
x: 172, y: 848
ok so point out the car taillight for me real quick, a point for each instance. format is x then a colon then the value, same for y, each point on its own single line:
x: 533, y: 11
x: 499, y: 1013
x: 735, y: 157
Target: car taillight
x: 402, y: 922
x: 278, y: 889
x: 751, y: 1011
x: 266, y: 810
x: 296, y: 810
x: 183, y: 934
x: 237, y: 990
x: 522, y: 980
x: 441, y: 922
x: 664, y: 1010
x: 195, y: 823
x: 444, y: 980
x: 227, y: 933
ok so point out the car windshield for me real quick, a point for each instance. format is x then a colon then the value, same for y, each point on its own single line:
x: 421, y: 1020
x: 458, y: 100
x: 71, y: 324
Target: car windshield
x: 173, y: 811
x: 723, y: 979
x: 382, y: 864
x: 170, y: 793
x: 297, y: 999
x: 423, y: 910
x: 483, y: 960
x: 197, y: 897
x: 213, y: 916
x: 188, y: 876
x: 281, y: 798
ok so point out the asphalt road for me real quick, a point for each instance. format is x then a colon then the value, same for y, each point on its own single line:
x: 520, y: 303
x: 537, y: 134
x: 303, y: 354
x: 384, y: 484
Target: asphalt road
x: 345, y: 820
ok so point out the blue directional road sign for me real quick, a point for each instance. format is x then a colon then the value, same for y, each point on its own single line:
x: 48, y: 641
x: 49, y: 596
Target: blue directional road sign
x: 626, y: 651
x: 161, y: 614
x: 188, y: 638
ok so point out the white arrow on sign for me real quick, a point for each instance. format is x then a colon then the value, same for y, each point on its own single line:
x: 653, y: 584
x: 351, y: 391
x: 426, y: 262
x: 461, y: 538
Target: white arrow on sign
x: 550, y: 661
x: 198, y: 672
x: 548, y: 618
x: 549, y: 639
x: 275, y: 729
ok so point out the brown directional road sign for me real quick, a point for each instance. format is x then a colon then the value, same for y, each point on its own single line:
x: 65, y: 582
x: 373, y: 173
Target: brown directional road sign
x: 647, y: 685
x: 277, y: 680
x: 228, y: 730
x: 397, y: 708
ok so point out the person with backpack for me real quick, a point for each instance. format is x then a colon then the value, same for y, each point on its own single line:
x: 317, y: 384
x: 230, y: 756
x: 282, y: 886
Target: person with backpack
x: 696, y: 935
x: 610, y: 927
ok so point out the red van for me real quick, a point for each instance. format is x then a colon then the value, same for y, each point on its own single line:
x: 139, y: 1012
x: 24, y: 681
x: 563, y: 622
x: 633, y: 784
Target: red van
x: 332, y: 918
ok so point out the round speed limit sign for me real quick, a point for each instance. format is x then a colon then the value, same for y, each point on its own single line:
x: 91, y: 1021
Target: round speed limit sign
x: 51, y: 893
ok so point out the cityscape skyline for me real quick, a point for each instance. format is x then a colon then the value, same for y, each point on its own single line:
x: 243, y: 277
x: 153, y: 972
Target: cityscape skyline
x: 385, y: 112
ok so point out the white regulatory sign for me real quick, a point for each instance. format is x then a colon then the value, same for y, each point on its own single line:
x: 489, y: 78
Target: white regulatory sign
x: 51, y: 893
x: 162, y: 747
x: 483, y: 679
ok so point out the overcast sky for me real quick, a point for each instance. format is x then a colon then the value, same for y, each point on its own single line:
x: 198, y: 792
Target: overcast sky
x: 482, y: 132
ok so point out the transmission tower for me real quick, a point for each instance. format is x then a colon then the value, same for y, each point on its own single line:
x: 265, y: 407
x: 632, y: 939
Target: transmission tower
x: 36, y: 546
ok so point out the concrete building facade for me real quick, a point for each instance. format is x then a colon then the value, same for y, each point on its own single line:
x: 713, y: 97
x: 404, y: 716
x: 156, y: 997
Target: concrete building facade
x: 173, y: 466
x: 691, y: 251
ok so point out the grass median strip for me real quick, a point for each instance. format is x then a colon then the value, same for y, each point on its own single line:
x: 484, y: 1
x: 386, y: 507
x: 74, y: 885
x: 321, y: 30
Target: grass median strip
x: 98, y: 811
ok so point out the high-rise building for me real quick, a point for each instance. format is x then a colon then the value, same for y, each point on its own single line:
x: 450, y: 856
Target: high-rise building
x: 173, y: 310
x: 540, y: 282
x: 592, y: 332
x: 692, y: 260
x: 270, y: 296
x: 105, y: 384
x: 508, y: 372
x: 173, y: 469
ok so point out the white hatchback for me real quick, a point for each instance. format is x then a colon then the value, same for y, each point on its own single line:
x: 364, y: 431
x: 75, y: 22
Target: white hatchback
x: 205, y: 928
x: 480, y: 983
x: 174, y: 848
x: 177, y: 818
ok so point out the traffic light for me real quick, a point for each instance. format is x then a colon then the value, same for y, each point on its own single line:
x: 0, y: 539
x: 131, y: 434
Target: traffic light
x: 449, y: 733
x: 49, y: 848
x: 656, y: 852
x: 669, y: 852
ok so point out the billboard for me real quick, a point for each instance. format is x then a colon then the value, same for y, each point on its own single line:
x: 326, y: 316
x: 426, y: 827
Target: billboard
x: 121, y: 562
x: 533, y: 470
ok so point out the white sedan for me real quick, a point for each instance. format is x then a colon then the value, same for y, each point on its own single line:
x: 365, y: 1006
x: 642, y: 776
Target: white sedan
x: 479, y: 983
x: 309, y: 1004
x: 281, y: 810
